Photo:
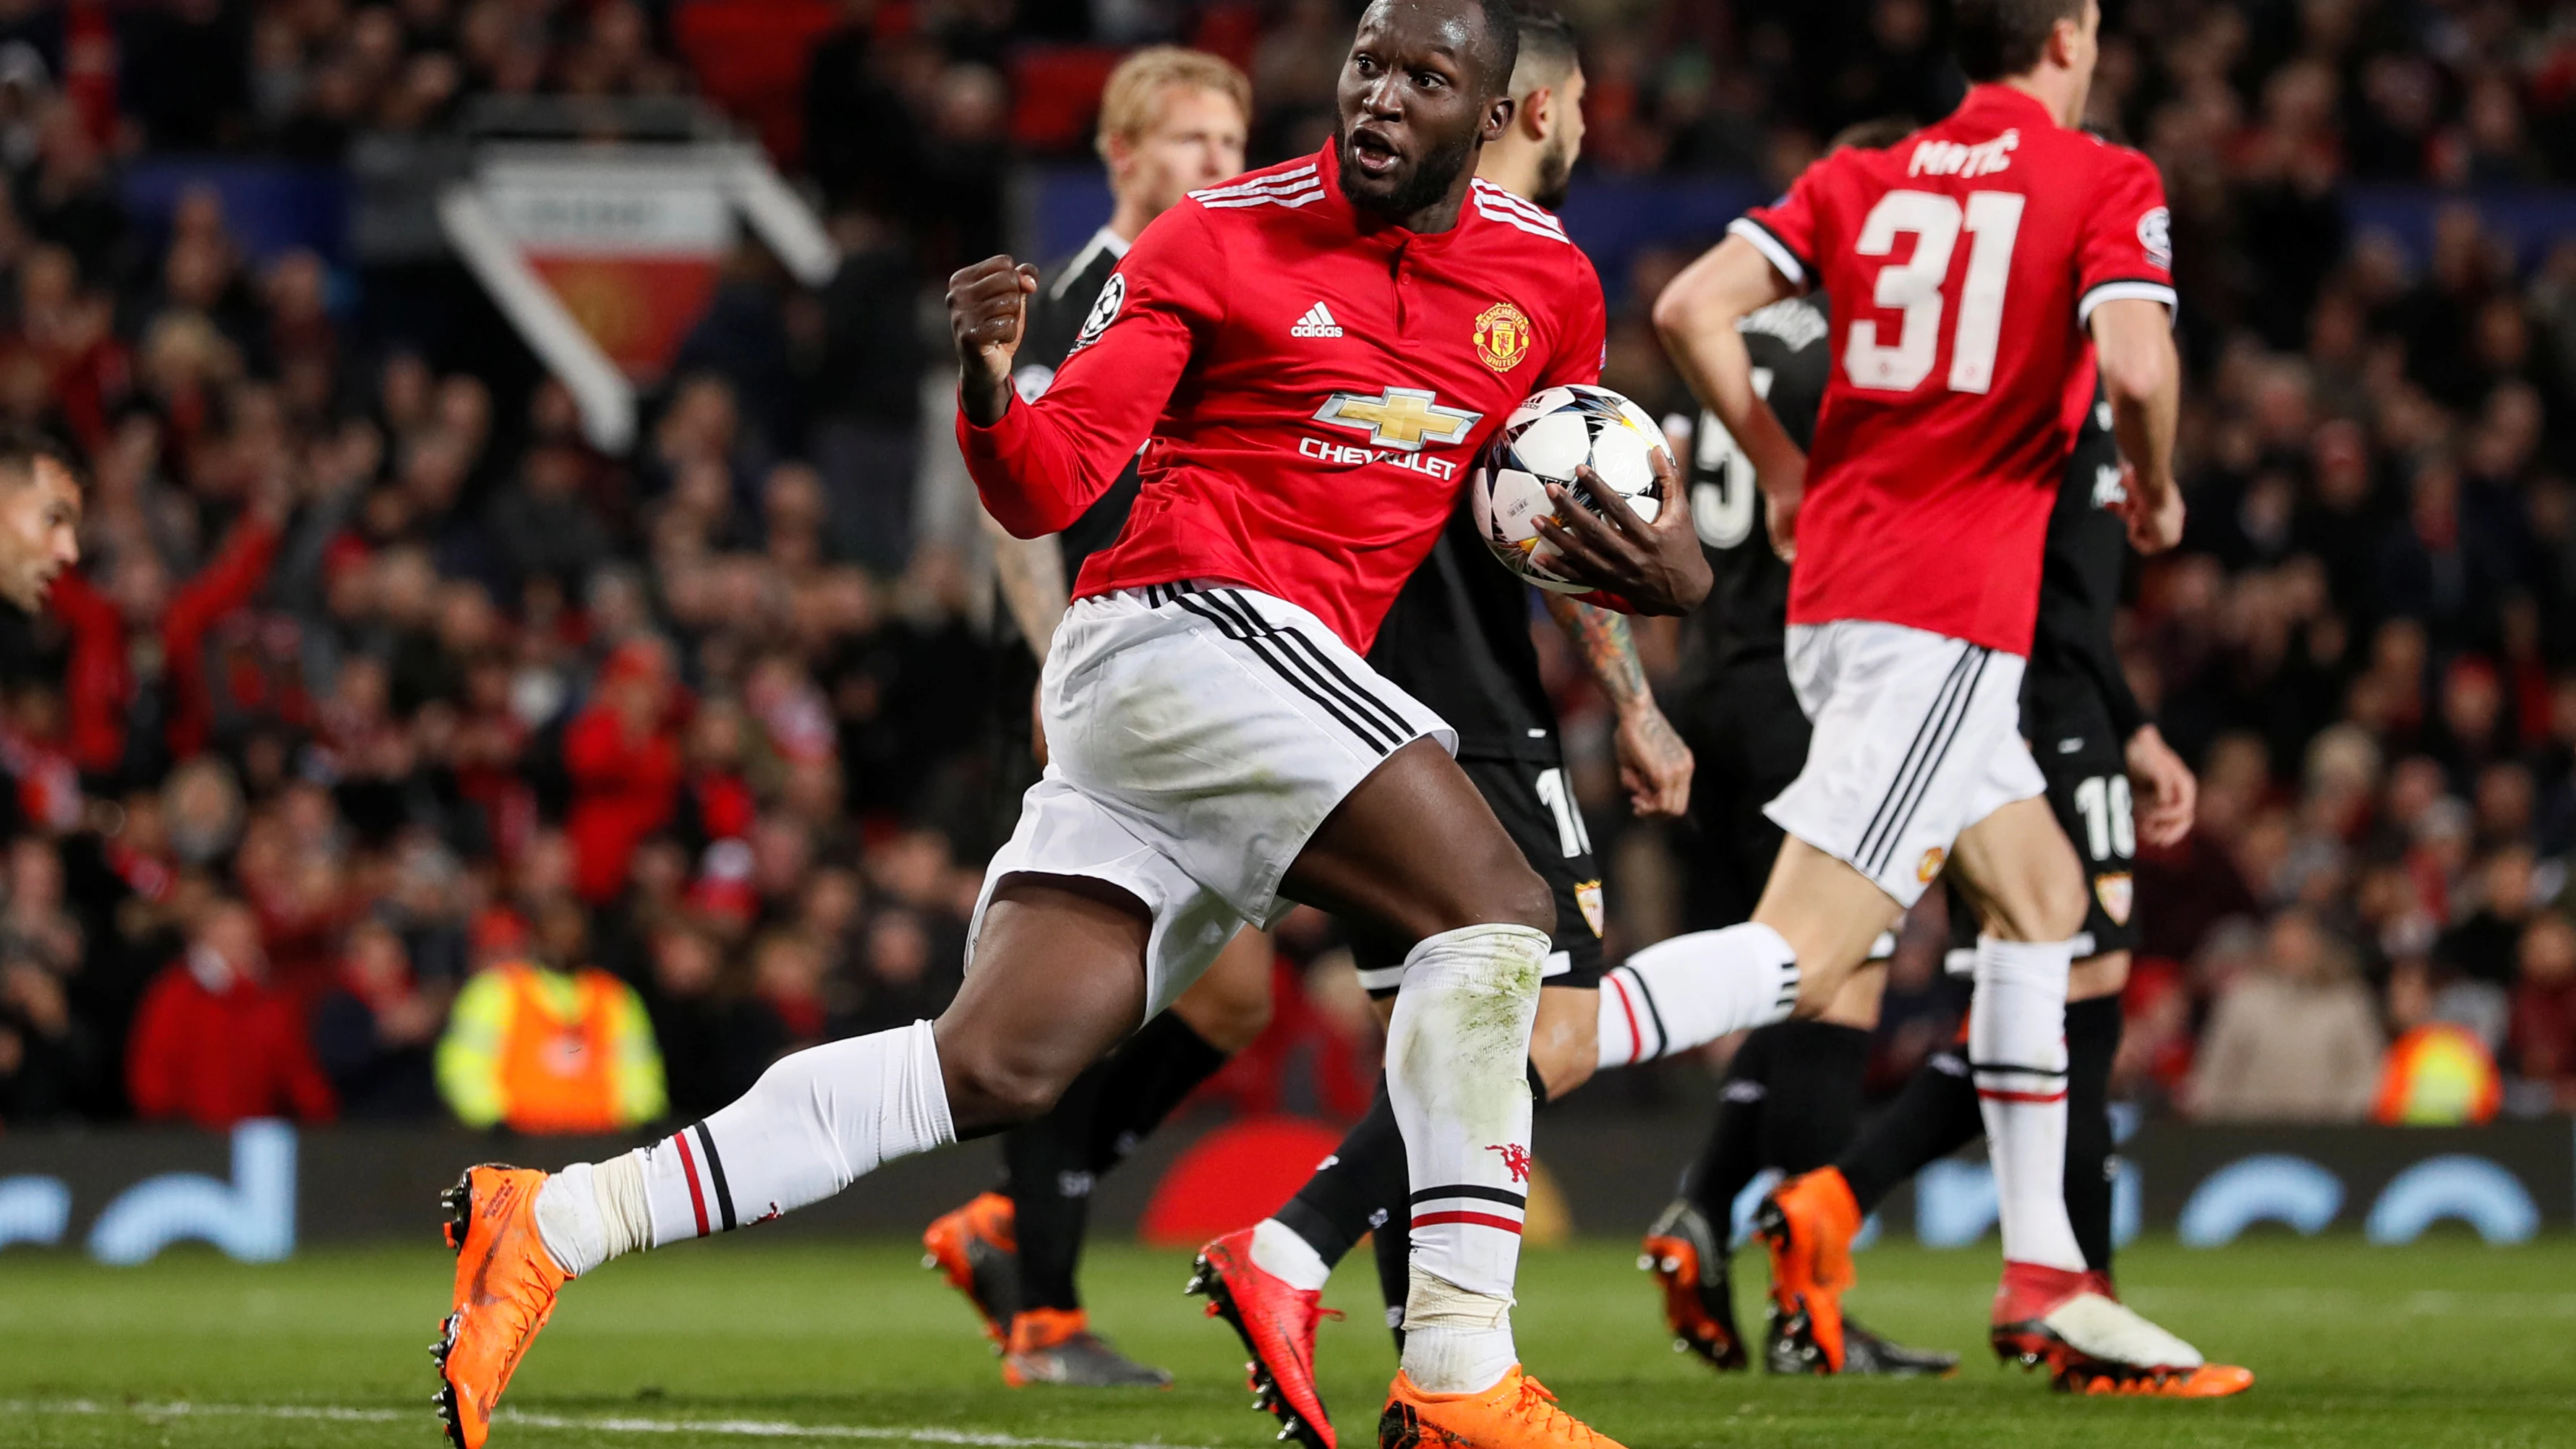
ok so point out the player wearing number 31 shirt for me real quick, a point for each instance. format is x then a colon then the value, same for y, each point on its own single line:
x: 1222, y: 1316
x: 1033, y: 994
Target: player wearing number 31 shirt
x: 1984, y: 271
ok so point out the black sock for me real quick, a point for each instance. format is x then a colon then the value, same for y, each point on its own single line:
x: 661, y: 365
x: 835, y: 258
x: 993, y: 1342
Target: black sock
x: 2092, y: 1040
x: 1733, y: 1151
x: 1357, y: 1188
x: 1814, y: 1105
x: 1149, y: 1075
x: 1392, y: 1245
x: 1047, y: 1174
x: 1934, y: 1116
x: 1050, y: 1164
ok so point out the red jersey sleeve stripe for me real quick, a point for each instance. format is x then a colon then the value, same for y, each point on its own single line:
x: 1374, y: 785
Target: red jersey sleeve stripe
x: 1768, y: 243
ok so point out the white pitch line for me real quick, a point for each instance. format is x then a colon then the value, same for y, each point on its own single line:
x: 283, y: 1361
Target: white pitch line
x: 729, y: 1428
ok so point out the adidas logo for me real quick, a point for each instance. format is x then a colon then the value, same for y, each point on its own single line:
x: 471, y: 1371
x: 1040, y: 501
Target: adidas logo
x: 1318, y: 322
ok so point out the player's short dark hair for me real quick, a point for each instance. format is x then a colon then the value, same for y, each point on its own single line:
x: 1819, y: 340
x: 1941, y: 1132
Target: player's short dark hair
x: 1502, y: 45
x: 1995, y: 38
x: 1548, y: 53
x: 21, y: 447
x: 1875, y: 134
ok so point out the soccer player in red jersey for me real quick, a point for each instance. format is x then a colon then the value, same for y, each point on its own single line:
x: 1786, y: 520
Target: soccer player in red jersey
x: 1983, y: 269
x: 1309, y: 358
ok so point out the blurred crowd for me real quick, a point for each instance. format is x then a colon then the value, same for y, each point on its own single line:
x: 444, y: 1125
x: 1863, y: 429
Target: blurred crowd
x: 395, y: 753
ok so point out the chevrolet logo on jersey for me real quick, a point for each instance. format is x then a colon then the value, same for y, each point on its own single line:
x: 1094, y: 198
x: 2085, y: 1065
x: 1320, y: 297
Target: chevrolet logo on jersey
x: 1400, y: 417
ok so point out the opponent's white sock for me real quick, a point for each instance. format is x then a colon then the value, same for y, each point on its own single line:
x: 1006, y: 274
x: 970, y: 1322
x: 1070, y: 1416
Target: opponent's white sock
x: 1456, y: 1073
x: 1693, y: 989
x: 2017, y: 1054
x: 592, y: 1212
x: 1279, y: 1252
x: 815, y: 1122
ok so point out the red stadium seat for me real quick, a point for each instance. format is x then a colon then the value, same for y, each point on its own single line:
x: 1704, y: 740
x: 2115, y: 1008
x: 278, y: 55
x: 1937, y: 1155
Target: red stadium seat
x: 749, y: 57
x: 1055, y: 93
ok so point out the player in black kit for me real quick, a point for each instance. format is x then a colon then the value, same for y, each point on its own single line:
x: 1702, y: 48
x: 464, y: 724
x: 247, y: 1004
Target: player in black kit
x: 1171, y: 120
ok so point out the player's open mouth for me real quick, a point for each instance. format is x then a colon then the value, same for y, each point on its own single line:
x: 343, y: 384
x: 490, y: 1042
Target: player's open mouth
x: 1372, y: 153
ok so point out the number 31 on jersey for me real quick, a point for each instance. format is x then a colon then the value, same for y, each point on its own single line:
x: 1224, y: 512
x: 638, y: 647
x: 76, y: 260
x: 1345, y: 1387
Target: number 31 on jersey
x: 1913, y: 287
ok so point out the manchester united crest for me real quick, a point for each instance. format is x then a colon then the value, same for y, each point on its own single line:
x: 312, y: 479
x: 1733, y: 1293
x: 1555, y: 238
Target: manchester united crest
x: 1502, y: 336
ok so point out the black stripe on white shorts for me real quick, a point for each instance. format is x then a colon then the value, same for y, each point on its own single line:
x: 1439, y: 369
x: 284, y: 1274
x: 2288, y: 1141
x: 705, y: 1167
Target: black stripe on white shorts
x: 1298, y: 660
x: 1923, y: 760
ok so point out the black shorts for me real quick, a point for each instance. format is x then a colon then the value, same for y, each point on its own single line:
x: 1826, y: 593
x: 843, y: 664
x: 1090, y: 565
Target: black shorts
x: 2071, y: 735
x: 1749, y: 740
x: 1536, y: 804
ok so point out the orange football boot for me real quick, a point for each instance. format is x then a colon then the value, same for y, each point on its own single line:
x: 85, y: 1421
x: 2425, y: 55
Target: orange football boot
x: 1688, y: 1260
x: 2209, y: 1381
x: 2201, y: 1381
x: 1057, y: 1346
x: 1808, y: 1223
x: 977, y: 1249
x: 1518, y: 1413
x: 506, y: 1284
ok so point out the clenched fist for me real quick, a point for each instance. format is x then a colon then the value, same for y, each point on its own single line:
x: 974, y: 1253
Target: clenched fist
x: 987, y: 309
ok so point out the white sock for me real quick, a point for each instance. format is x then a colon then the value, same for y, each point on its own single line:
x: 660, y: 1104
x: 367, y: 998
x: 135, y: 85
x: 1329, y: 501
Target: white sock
x: 1279, y: 1252
x: 1456, y: 1073
x: 589, y: 1213
x: 1691, y: 990
x: 1455, y: 1342
x: 2017, y: 1053
x: 815, y: 1122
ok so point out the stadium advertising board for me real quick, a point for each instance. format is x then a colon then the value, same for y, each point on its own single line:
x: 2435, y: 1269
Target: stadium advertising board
x: 124, y: 1197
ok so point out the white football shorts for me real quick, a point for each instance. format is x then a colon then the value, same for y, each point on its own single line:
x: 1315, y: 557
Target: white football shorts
x: 1917, y: 737
x: 1197, y: 734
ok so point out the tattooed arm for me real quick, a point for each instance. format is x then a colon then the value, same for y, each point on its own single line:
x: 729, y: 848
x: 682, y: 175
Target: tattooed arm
x: 1030, y: 572
x: 1653, y: 762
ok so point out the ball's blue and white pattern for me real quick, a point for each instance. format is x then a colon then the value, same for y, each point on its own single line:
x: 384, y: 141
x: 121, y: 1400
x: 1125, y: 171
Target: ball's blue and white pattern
x: 1544, y: 441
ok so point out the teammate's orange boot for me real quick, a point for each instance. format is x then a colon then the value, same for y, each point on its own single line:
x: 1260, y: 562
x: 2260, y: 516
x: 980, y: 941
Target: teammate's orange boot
x: 2209, y: 1381
x: 1277, y: 1325
x: 2094, y: 1344
x: 976, y: 1248
x: 2178, y: 1372
x: 1518, y: 1413
x: 1808, y: 1223
x: 506, y: 1284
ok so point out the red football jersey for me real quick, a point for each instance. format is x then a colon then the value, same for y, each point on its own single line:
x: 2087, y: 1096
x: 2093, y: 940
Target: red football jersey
x: 1963, y: 263
x: 1309, y: 385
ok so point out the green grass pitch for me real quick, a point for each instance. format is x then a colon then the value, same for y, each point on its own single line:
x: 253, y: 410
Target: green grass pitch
x: 2446, y: 1343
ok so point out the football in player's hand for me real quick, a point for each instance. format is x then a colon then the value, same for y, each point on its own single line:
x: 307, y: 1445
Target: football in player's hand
x: 1544, y: 441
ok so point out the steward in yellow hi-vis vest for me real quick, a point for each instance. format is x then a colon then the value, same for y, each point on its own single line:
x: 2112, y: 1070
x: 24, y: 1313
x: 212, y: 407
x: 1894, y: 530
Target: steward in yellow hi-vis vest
x: 535, y: 1049
x: 2438, y: 1075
